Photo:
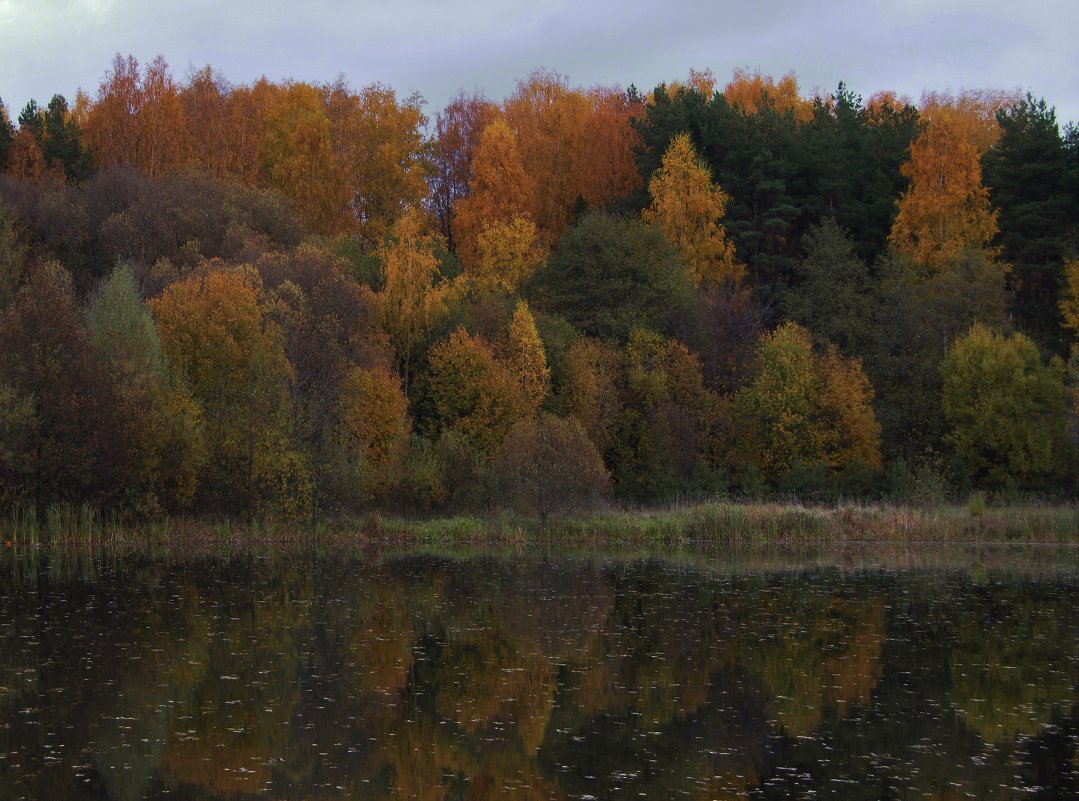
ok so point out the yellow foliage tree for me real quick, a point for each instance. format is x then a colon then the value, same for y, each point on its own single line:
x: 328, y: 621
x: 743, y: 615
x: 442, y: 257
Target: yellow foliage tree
x: 472, y: 392
x: 299, y: 159
x: 214, y: 333
x: 382, y: 154
x: 1069, y: 305
x: 525, y: 357
x: 1007, y: 411
x: 700, y: 81
x: 687, y: 207
x: 669, y: 418
x: 591, y: 388
x: 973, y: 112
x: 413, y: 298
x: 506, y: 253
x: 374, y: 422
x: 945, y: 210
x: 1070, y: 308
x: 550, y: 121
x: 803, y: 406
x: 752, y: 91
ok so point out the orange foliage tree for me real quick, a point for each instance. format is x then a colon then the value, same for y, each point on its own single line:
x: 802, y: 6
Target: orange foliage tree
x: 752, y: 91
x: 500, y: 192
x: 612, y: 143
x: 225, y: 125
x: 138, y: 118
x: 247, y: 108
x: 577, y: 146
x: 26, y: 159
x: 945, y: 210
x: 457, y: 133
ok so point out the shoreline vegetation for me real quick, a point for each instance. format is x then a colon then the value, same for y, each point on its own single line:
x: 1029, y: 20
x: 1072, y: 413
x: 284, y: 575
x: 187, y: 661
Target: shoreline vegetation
x: 728, y: 525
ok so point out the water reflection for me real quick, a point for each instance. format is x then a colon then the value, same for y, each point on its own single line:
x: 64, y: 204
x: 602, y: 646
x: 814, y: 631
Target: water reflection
x: 433, y: 677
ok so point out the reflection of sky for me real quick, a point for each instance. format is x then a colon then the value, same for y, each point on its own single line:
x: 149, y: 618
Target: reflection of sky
x: 436, y: 47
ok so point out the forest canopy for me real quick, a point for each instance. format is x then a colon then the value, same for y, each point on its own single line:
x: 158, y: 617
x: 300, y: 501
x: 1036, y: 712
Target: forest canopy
x: 296, y: 299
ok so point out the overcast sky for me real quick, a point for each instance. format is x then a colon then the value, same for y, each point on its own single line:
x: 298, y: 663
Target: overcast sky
x: 436, y: 47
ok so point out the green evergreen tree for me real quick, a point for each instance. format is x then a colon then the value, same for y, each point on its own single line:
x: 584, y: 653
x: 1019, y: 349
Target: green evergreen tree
x: 1036, y: 188
x: 32, y: 119
x: 833, y: 297
x: 7, y: 135
x: 852, y: 157
x: 61, y: 141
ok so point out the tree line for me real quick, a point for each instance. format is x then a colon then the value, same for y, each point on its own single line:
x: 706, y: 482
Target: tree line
x: 296, y: 300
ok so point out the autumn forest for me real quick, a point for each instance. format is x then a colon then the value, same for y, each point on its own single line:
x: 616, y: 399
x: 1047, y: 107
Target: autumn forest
x: 297, y: 301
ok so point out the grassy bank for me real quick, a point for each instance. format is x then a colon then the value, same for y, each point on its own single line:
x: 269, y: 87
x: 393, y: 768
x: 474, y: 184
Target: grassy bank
x: 732, y: 525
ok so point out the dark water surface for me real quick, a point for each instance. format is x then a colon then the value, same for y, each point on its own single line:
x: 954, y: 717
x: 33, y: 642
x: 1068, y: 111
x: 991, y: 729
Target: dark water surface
x: 530, y: 675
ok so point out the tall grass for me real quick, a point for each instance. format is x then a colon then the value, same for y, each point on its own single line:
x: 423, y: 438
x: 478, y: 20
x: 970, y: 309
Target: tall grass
x: 718, y: 524
x: 793, y: 524
x: 63, y: 524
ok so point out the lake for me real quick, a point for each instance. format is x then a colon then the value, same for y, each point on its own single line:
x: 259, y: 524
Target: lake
x: 534, y: 675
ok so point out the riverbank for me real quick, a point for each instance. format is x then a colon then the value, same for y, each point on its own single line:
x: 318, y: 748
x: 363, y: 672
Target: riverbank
x: 725, y: 524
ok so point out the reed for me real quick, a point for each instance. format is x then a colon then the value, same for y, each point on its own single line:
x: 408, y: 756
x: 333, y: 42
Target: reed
x: 721, y: 524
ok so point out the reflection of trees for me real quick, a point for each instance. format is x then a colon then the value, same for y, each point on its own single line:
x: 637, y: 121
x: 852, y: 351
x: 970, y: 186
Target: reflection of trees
x: 715, y: 751
x: 1011, y: 663
x: 453, y: 675
x: 661, y: 643
x: 658, y: 709
x: 111, y: 657
x: 237, y: 722
x: 378, y: 645
x: 438, y: 678
x: 161, y: 665
x: 814, y: 651
x: 911, y: 742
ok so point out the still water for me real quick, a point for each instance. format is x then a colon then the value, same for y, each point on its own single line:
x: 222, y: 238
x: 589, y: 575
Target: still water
x: 534, y: 676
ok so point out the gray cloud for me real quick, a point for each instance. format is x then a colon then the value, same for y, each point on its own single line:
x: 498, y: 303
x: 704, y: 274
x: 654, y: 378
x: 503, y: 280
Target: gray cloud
x: 49, y: 46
